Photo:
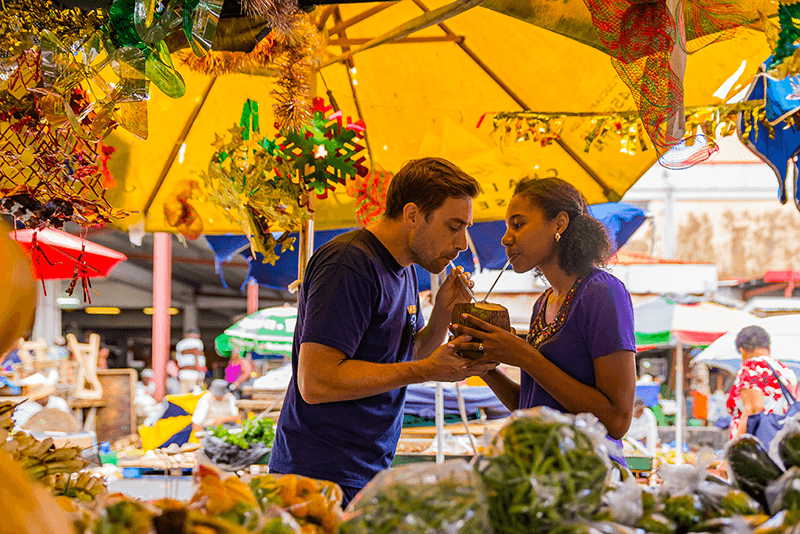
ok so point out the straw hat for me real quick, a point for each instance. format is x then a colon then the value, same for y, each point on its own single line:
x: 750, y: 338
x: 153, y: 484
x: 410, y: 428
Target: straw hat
x: 39, y: 391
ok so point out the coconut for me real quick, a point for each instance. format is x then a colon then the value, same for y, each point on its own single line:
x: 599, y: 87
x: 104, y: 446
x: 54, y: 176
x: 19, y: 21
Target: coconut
x: 486, y: 311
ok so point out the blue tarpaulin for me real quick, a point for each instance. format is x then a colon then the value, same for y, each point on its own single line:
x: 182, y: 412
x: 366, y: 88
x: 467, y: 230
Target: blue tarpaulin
x: 620, y: 219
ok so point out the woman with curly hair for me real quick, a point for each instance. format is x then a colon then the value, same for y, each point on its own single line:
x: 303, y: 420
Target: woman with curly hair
x: 579, y: 354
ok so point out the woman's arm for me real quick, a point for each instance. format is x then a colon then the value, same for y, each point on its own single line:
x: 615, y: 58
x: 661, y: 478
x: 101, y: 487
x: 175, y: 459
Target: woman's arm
x: 752, y: 403
x: 506, y: 389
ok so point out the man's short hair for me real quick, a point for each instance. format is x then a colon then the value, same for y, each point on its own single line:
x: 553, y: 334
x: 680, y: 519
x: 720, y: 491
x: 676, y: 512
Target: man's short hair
x: 751, y: 338
x: 639, y: 402
x: 428, y: 182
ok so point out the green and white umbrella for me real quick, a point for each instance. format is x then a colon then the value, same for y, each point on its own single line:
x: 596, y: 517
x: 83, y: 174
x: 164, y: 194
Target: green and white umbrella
x: 267, y: 332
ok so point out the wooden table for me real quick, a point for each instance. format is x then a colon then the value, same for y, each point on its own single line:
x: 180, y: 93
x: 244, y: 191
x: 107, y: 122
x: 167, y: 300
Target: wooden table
x: 86, y: 410
x: 269, y: 400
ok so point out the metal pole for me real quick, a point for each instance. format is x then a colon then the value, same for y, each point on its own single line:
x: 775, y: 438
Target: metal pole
x: 252, y: 297
x: 439, y: 398
x: 162, y: 280
x: 306, y: 241
x: 679, y: 413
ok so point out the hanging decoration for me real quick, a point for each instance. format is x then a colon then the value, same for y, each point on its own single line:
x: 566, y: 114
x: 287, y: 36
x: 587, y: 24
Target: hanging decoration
x: 648, y: 43
x: 180, y: 214
x: 781, y: 37
x: 49, y: 174
x: 370, y: 194
x: 323, y: 152
x: 776, y: 144
x: 601, y: 128
x: 254, y: 186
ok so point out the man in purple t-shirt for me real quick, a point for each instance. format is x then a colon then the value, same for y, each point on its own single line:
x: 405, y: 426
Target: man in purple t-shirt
x: 359, y: 338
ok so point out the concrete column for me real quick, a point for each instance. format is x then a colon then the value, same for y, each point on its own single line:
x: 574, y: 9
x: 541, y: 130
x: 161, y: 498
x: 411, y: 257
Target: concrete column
x: 48, y: 315
x: 190, y: 317
x: 162, y: 280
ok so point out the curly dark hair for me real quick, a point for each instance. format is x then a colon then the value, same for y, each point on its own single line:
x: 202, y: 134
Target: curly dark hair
x: 428, y: 182
x: 585, y: 243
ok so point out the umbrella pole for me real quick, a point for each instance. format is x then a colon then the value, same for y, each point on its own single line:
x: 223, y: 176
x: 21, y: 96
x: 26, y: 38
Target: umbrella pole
x: 679, y: 413
x: 162, y: 279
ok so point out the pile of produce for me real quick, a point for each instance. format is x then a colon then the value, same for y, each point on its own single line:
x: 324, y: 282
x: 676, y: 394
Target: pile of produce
x: 234, y: 451
x: 314, y: 504
x: 544, y: 468
x: 253, y: 431
x: 269, y: 505
x: 420, y: 498
x: 60, y: 469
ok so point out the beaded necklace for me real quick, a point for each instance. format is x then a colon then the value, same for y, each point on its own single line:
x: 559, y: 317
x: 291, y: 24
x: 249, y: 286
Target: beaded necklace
x: 541, y: 331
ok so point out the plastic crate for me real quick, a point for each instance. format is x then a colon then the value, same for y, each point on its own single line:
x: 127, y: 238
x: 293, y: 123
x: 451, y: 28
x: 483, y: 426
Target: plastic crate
x: 131, y: 472
x: 639, y: 463
x: 648, y: 393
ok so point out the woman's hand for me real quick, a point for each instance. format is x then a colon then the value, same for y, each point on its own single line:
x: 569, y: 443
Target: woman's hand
x: 497, y: 344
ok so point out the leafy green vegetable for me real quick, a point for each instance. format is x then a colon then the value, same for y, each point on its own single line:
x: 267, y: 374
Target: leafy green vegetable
x: 234, y: 439
x: 253, y: 431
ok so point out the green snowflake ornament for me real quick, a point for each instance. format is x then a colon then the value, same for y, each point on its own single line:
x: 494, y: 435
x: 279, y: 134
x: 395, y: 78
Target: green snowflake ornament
x: 323, y: 152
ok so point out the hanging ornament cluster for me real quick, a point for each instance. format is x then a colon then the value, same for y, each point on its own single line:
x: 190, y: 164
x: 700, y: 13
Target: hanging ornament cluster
x: 323, y: 152
x: 254, y: 186
x: 370, y: 194
x: 51, y: 172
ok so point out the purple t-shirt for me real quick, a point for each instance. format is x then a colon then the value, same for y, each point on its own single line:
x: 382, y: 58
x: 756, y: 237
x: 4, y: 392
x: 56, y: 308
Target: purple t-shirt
x: 599, y: 322
x: 355, y: 298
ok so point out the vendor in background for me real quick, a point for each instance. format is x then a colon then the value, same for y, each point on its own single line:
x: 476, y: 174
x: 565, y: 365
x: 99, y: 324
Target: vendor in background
x: 191, y: 361
x: 644, y: 427
x: 41, y: 399
x: 756, y: 387
x: 217, y: 406
x: 359, y: 338
x: 579, y: 354
x: 238, y: 372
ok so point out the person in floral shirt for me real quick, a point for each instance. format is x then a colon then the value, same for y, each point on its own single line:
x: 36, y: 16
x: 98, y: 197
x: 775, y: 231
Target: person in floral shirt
x: 756, y: 388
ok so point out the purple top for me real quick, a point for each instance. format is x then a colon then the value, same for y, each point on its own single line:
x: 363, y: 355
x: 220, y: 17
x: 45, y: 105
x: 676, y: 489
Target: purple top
x: 355, y: 298
x: 599, y: 321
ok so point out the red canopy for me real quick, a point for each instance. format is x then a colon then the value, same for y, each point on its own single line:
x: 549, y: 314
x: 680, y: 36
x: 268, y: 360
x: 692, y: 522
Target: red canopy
x: 56, y: 254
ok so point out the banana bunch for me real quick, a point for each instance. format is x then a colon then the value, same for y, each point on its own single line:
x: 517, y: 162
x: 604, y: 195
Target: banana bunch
x: 41, y: 458
x: 315, y: 504
x: 6, y: 423
x: 83, y: 486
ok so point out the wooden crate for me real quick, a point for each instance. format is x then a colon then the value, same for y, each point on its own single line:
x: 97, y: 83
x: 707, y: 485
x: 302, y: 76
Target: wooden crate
x: 117, y: 418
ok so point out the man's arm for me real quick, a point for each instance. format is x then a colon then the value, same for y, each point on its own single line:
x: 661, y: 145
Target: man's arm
x: 451, y: 292
x: 326, y: 374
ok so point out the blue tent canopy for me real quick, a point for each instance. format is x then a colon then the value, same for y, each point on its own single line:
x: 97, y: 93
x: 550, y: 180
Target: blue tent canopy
x: 620, y: 219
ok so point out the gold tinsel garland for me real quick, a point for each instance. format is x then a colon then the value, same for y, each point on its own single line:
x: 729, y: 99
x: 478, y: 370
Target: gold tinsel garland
x: 624, y: 128
x: 21, y: 21
x: 293, y: 49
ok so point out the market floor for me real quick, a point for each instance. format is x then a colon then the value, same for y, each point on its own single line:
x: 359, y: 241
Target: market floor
x: 151, y: 487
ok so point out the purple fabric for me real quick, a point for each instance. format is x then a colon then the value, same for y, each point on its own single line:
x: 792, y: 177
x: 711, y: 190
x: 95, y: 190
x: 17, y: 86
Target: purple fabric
x: 600, y: 322
x: 355, y: 298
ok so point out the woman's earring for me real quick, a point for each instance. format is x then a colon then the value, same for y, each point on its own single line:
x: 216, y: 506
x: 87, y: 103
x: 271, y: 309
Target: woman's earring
x: 558, y: 237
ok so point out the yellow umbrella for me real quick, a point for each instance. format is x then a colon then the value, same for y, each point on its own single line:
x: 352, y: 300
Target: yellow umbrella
x: 424, y: 95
